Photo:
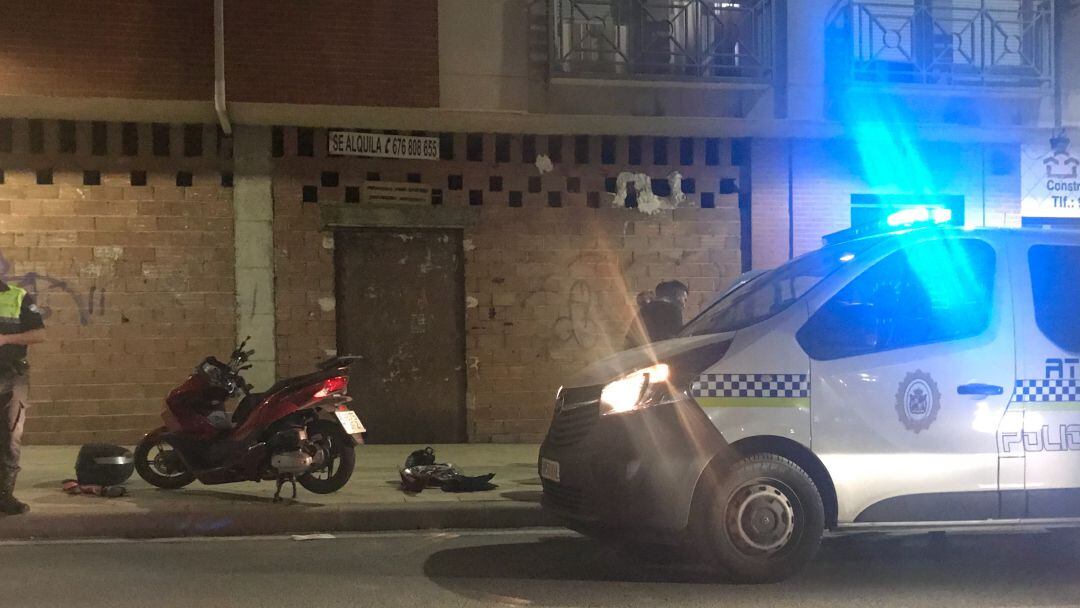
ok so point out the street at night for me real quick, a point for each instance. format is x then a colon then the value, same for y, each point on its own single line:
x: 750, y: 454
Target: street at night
x: 530, y: 568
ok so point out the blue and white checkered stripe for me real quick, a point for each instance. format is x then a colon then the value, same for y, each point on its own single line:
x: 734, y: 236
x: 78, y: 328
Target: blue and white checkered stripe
x: 1048, y: 390
x: 751, y: 385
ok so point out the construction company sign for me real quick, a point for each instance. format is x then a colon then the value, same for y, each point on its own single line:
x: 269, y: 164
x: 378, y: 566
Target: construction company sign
x: 1050, y: 180
x: 353, y: 143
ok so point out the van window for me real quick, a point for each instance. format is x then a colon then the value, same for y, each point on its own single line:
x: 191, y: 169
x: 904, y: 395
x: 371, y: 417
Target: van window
x: 1055, y: 286
x: 772, y: 292
x: 934, y: 291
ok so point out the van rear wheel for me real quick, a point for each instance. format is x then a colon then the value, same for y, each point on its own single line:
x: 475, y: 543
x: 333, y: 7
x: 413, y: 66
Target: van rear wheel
x: 761, y: 520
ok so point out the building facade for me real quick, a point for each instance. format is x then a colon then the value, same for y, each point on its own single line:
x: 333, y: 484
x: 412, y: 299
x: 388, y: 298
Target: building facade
x: 174, y: 178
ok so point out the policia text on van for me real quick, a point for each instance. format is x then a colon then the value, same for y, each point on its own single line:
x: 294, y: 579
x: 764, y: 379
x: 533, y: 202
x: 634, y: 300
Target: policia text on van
x: 926, y: 377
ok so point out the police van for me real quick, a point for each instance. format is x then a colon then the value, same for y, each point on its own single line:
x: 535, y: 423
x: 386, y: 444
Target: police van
x: 924, y: 377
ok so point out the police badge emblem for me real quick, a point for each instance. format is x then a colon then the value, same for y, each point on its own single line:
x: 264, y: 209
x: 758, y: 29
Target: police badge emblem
x: 918, y: 401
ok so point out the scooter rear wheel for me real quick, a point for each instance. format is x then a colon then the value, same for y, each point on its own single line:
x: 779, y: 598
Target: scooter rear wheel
x: 340, y: 457
x: 162, y: 468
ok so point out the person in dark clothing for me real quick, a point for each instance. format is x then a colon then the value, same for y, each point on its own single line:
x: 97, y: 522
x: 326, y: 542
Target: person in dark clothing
x: 660, y: 318
x: 20, y: 326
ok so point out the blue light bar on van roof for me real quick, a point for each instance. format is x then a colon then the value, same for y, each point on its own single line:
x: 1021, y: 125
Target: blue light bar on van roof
x: 919, y: 215
x: 911, y: 217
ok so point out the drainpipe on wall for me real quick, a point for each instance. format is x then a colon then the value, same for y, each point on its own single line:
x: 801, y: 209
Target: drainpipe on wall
x: 219, y: 67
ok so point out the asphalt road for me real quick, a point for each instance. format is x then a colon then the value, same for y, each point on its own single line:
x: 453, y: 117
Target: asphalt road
x: 526, y: 568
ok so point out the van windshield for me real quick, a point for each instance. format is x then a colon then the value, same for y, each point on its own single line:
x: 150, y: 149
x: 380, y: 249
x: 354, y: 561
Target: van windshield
x: 774, y: 291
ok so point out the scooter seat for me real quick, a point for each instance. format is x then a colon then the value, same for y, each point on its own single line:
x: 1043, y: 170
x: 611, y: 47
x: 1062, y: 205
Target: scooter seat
x: 246, y: 406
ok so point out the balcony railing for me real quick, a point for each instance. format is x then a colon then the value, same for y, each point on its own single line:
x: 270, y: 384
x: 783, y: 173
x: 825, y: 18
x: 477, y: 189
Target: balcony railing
x: 982, y: 43
x: 694, y: 40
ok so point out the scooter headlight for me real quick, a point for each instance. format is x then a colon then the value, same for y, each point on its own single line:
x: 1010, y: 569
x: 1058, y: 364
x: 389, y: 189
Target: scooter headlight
x: 634, y: 391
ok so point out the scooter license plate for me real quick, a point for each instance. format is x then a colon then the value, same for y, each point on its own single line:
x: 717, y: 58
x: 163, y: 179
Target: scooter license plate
x: 350, y: 422
x: 549, y: 469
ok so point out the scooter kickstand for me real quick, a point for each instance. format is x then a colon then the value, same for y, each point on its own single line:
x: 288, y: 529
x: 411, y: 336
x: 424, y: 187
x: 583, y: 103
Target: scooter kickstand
x: 281, y: 482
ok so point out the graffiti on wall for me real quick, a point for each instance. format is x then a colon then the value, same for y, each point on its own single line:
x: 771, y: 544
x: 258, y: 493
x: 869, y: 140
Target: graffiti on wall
x: 49, y: 292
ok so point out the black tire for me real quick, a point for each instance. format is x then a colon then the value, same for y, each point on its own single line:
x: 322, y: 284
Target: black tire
x: 760, y: 521
x: 152, y: 470
x: 340, y: 455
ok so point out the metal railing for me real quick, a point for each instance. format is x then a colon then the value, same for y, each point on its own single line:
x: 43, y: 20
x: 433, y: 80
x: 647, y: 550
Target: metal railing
x: 695, y: 40
x: 984, y: 43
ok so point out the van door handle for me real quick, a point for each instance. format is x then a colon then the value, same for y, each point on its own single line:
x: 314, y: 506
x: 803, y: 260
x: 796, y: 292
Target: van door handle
x: 976, y: 388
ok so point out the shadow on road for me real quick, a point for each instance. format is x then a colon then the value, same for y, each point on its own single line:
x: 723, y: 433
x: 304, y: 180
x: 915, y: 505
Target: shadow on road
x: 1013, y: 569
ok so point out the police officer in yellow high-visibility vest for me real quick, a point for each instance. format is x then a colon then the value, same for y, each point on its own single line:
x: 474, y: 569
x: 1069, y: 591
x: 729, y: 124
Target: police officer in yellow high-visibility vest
x: 20, y: 326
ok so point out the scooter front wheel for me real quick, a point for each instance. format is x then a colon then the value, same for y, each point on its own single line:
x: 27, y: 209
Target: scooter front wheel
x: 159, y: 464
x: 339, y: 459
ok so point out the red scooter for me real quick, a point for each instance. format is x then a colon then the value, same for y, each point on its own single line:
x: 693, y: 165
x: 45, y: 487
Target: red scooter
x: 300, y: 430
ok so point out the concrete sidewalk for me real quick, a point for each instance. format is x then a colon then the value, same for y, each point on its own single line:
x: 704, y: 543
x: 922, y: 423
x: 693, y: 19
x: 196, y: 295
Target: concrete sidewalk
x: 370, y: 502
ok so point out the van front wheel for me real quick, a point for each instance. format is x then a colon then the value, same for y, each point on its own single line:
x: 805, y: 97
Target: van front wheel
x: 761, y: 520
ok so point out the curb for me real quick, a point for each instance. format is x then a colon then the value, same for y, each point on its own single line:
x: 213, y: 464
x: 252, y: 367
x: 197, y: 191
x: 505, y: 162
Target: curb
x: 282, y: 520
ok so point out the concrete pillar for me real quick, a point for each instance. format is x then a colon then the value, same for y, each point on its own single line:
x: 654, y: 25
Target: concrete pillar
x: 806, y: 24
x: 254, y: 237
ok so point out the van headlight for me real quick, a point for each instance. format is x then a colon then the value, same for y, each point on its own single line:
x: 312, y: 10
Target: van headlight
x: 635, y: 391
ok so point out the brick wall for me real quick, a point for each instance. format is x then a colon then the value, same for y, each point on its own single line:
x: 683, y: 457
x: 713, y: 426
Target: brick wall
x: 377, y: 52
x: 131, y: 255
x: 551, y: 267
x: 107, y: 48
x: 824, y: 175
x: 338, y: 52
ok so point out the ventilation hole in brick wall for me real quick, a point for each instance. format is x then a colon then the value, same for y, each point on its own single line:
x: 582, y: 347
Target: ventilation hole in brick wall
x: 1, y: 176
x: 91, y: 178
x: 607, y: 150
x: 593, y: 200
x: 129, y: 139
x: 372, y: 176
x: 352, y: 194
x: 660, y: 150
x: 6, y: 135
x: 99, y: 138
x: 310, y: 194
x: 476, y: 197
x: 581, y: 149
x: 193, y: 140
x: 495, y: 183
x: 502, y: 148
x: 528, y: 149
x: 712, y: 152
x: 159, y: 139
x: 661, y: 187
x: 226, y: 179
x: 329, y: 179
x: 686, y: 151
x: 535, y: 184
x: 66, y: 135
x: 631, y: 198
x: 708, y: 200
x: 138, y: 178
x: 689, y: 185
x: 455, y: 182
x: 573, y: 184
x: 516, y: 198
x: 305, y: 142
x: 740, y: 152
x: 555, y: 146
x: 414, y: 178
x: 436, y: 196
x: 474, y: 147
x: 610, y: 185
x: 44, y: 177
x: 634, y: 151
x: 183, y: 179
x: 277, y: 142
x: 446, y: 146
x: 554, y: 199
x: 37, y: 136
